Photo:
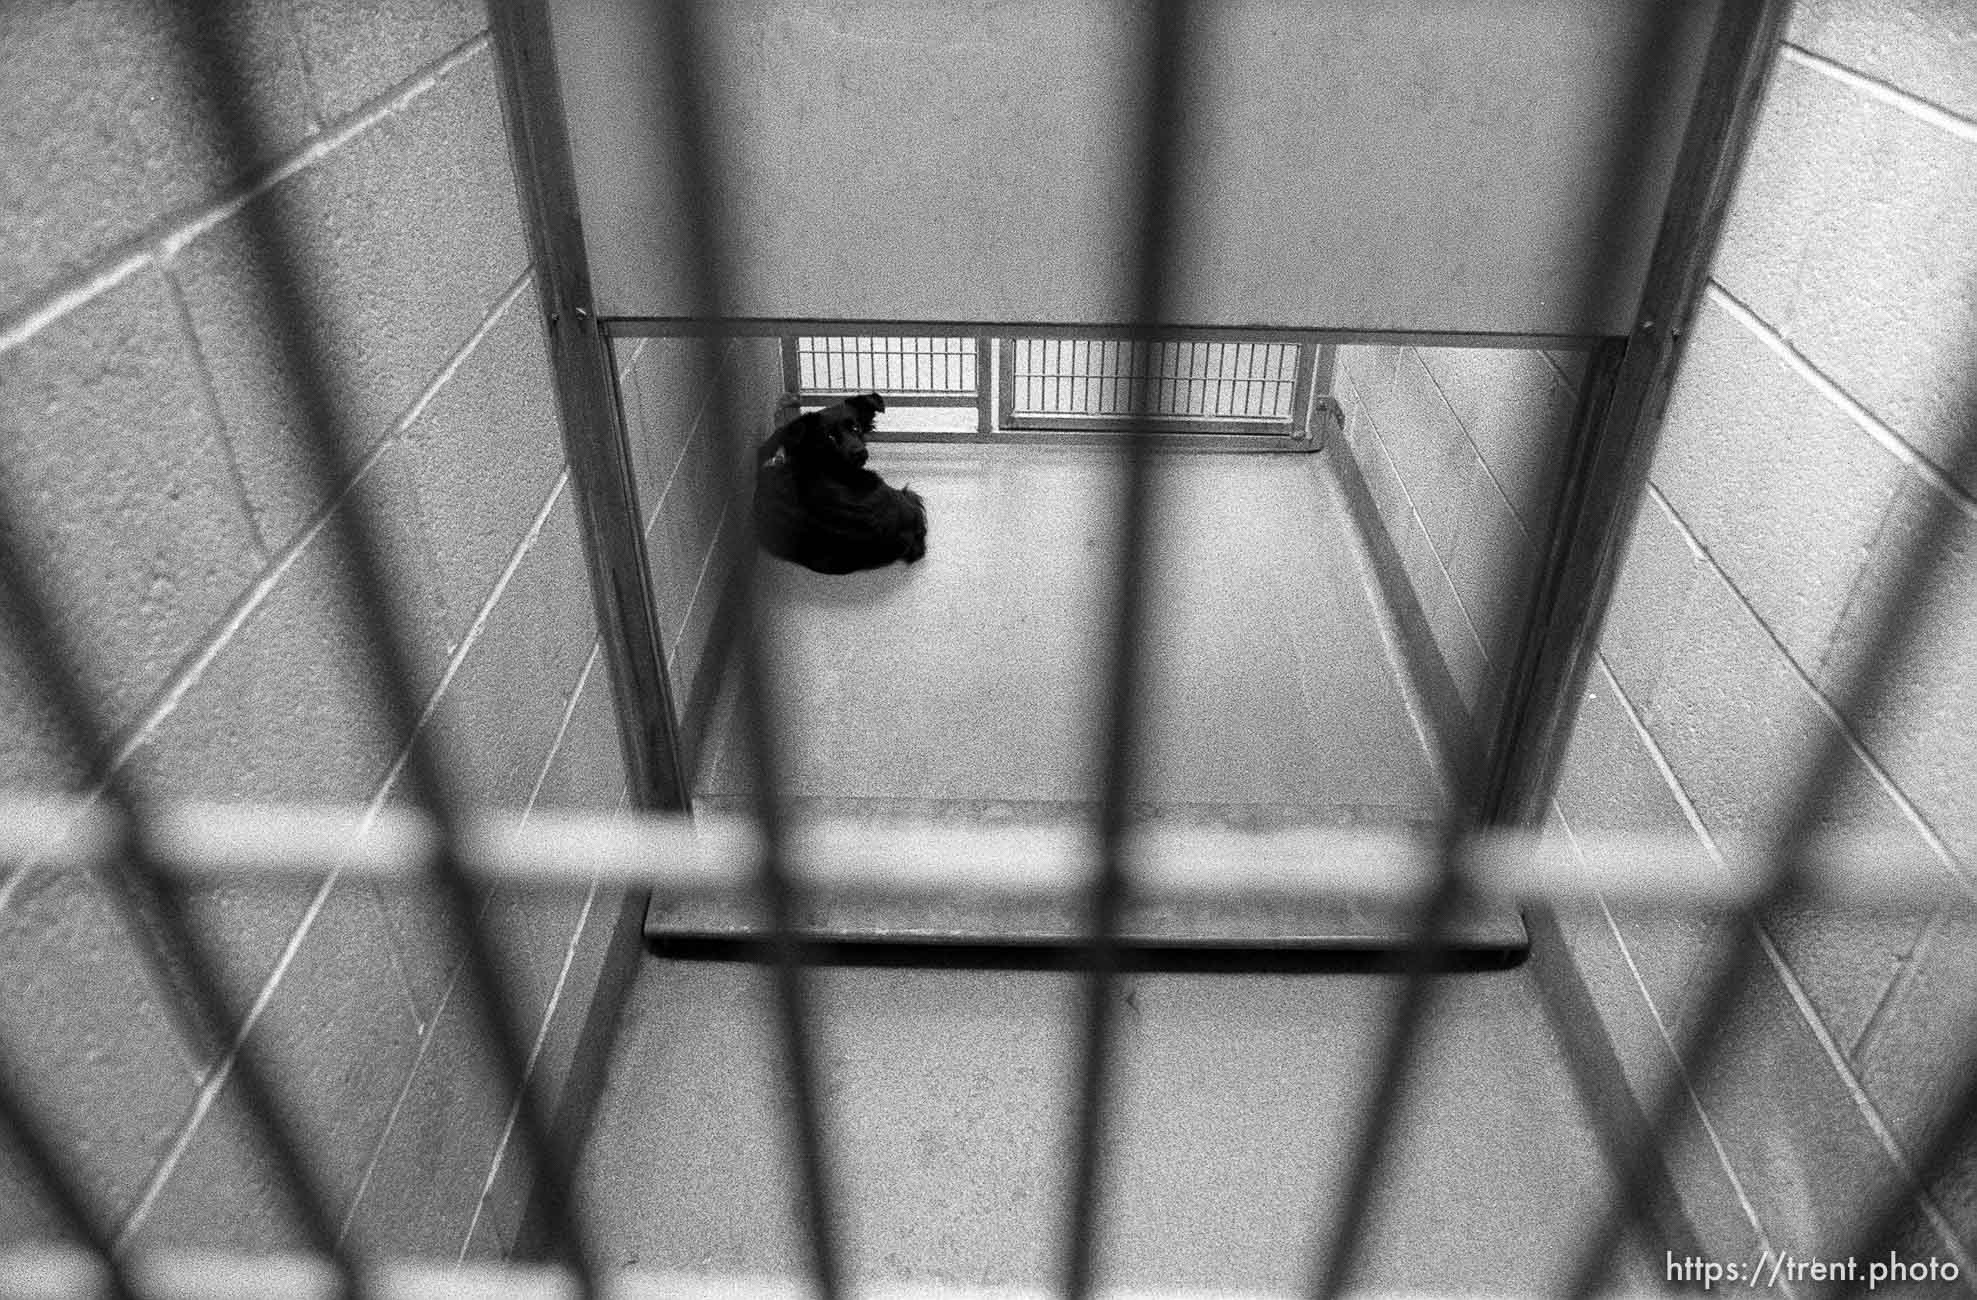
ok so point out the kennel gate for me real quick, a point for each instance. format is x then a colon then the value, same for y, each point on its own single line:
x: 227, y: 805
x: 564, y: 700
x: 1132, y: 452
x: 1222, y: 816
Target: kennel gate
x: 149, y: 850
x: 1247, y: 391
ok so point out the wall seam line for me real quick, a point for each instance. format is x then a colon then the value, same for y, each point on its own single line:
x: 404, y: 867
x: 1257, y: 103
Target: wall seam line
x: 209, y: 394
x: 1903, y: 804
x: 626, y: 366
x: 1690, y: 813
x: 162, y: 245
x: 1565, y: 381
x: 193, y: 668
x: 686, y: 443
x: 174, y: 241
x: 542, y: 777
x: 1877, y: 429
x: 1857, y: 584
x: 1673, y: 1059
x: 1883, y: 1135
x: 454, y: 663
x: 1476, y: 449
x: 1366, y: 411
x: 1886, y: 92
x: 397, y: 1106
x: 563, y: 727
x: 1899, y: 981
x: 221, y: 1070
x: 1801, y: 1001
x: 706, y: 562
x: 468, y: 641
x: 1413, y: 702
x: 528, y: 1070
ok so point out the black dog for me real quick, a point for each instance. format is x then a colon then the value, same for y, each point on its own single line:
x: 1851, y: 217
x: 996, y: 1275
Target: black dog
x: 817, y: 505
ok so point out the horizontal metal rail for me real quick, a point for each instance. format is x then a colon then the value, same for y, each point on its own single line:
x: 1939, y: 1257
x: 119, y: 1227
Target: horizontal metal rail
x: 711, y: 853
x: 779, y: 326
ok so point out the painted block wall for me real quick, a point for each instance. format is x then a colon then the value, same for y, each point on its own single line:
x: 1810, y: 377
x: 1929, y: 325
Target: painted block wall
x: 1827, y: 380
x: 144, y: 439
x: 694, y: 536
x: 1459, y: 450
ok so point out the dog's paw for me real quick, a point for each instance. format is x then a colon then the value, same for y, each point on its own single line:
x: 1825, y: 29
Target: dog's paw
x: 914, y: 530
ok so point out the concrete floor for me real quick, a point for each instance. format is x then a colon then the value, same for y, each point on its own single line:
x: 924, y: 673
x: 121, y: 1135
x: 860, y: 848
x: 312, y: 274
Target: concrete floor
x: 974, y: 674
x: 949, y: 1096
x: 949, y: 1090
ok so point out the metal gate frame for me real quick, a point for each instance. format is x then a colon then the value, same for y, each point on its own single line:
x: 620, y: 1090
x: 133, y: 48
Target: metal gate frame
x: 1316, y: 414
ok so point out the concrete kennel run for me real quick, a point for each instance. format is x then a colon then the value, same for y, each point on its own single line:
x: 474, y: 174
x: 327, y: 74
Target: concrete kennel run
x: 1646, y: 512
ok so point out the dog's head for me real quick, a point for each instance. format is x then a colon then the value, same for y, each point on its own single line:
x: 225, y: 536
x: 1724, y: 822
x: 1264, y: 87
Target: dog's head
x: 837, y: 432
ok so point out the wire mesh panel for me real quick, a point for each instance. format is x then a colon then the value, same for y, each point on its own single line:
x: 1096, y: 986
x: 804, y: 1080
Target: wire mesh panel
x: 1204, y: 385
x: 932, y: 372
x: 904, y: 369
x: 1254, y: 393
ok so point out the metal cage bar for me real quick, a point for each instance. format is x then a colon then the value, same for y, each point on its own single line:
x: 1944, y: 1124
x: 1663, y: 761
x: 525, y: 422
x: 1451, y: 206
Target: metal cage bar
x: 328, y: 444
x: 1387, y: 1096
x: 28, y: 1132
x: 131, y: 836
x: 714, y: 854
x: 1608, y: 480
x: 696, y: 166
x: 1783, y: 872
x: 1160, y: 79
x: 183, y: 975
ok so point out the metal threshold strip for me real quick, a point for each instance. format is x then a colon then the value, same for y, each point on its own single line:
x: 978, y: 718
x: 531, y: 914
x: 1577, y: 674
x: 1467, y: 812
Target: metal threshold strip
x: 1215, y: 898
x: 1231, y: 926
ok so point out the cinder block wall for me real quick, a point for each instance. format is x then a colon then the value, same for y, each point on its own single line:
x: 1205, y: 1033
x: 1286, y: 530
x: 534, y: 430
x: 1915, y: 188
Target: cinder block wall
x: 1459, y: 453
x: 144, y: 439
x: 1829, y: 374
x: 694, y: 537
x: 1831, y: 370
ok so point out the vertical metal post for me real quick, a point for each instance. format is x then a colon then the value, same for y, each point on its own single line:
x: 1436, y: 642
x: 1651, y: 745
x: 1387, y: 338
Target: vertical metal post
x: 984, y: 384
x: 595, y: 443
x: 792, y: 365
x: 1614, y: 439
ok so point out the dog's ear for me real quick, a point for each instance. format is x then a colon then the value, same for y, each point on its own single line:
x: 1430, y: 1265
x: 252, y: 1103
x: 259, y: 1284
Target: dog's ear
x: 866, y: 404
